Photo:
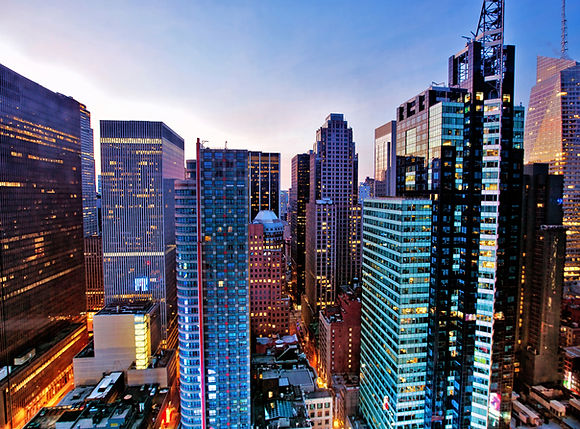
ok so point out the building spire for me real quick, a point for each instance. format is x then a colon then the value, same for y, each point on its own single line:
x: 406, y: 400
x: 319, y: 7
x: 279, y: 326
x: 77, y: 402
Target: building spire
x: 564, y: 31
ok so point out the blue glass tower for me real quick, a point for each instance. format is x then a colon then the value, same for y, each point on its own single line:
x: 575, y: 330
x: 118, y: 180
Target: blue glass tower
x: 395, y: 275
x: 212, y: 217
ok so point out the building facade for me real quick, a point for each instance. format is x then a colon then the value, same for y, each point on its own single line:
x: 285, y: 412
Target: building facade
x: 543, y: 256
x: 339, y: 337
x: 269, y: 307
x: 42, y: 273
x: 212, y: 218
x: 299, y: 196
x: 395, y: 312
x: 386, y: 160
x: 463, y: 147
x: 264, y: 170
x: 552, y: 137
x: 140, y: 163
x: 333, y: 216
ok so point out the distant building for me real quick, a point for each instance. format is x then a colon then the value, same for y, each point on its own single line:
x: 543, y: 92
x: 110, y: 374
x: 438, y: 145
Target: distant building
x: 333, y: 217
x: 543, y: 256
x: 339, y: 336
x: 386, y: 160
x: 396, y: 260
x: 284, y: 201
x: 298, y: 199
x: 42, y: 274
x: 212, y: 218
x: 551, y: 136
x: 269, y: 308
x: 366, y: 189
x: 140, y: 163
x: 94, y: 273
x: 264, y: 170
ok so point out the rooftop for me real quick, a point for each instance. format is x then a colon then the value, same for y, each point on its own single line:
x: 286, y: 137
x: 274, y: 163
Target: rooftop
x: 137, y: 307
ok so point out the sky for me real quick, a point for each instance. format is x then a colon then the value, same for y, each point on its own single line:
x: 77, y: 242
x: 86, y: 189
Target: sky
x: 260, y: 74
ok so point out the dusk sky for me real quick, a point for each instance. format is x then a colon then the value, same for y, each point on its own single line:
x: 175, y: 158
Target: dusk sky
x: 262, y: 75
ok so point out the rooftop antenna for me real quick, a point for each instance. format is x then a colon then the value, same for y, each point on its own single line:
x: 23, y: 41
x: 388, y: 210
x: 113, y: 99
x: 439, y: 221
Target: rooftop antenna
x: 226, y: 145
x: 564, y: 31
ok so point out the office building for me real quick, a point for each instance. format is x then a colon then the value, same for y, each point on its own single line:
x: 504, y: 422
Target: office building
x: 264, y: 170
x: 339, y: 337
x: 284, y: 201
x: 269, y: 307
x: 543, y: 255
x: 88, y: 174
x: 41, y: 245
x: 395, y: 312
x: 298, y: 199
x: 552, y: 137
x: 366, y: 189
x: 462, y: 146
x: 95, y: 291
x: 386, y: 160
x: 212, y: 218
x: 140, y: 163
x: 333, y: 217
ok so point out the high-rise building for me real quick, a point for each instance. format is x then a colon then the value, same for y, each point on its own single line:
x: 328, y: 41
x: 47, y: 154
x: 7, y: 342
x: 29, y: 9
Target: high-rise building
x: 212, y: 217
x: 395, y: 312
x: 299, y: 196
x: 140, y: 163
x: 462, y: 146
x: 366, y: 189
x: 95, y: 291
x: 552, y: 137
x: 93, y: 239
x: 88, y: 175
x: 284, y: 201
x: 42, y: 273
x: 269, y: 308
x: 333, y: 216
x: 264, y: 170
x: 543, y: 255
x: 386, y: 160
x: 339, y: 338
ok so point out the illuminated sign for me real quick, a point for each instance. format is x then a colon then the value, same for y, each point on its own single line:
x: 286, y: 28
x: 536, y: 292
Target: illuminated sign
x: 142, y: 284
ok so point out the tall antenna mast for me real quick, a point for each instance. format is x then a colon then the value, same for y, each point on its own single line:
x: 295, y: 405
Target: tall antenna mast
x: 564, y: 31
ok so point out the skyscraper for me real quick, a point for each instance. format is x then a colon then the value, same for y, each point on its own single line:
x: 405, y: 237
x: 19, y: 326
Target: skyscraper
x: 88, y: 174
x: 264, y: 169
x: 299, y: 196
x: 552, y: 137
x: 396, y: 264
x: 140, y: 163
x: 269, y: 308
x: 543, y: 255
x: 463, y: 147
x: 333, y: 216
x: 386, y: 160
x: 41, y: 245
x: 212, y: 217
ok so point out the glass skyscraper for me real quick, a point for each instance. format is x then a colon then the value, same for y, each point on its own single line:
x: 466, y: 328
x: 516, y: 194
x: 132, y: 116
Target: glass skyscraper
x: 42, y: 274
x: 90, y: 219
x: 385, y: 160
x: 299, y: 195
x: 140, y: 163
x: 264, y: 170
x: 395, y: 311
x: 462, y: 147
x: 212, y: 218
x: 552, y: 137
